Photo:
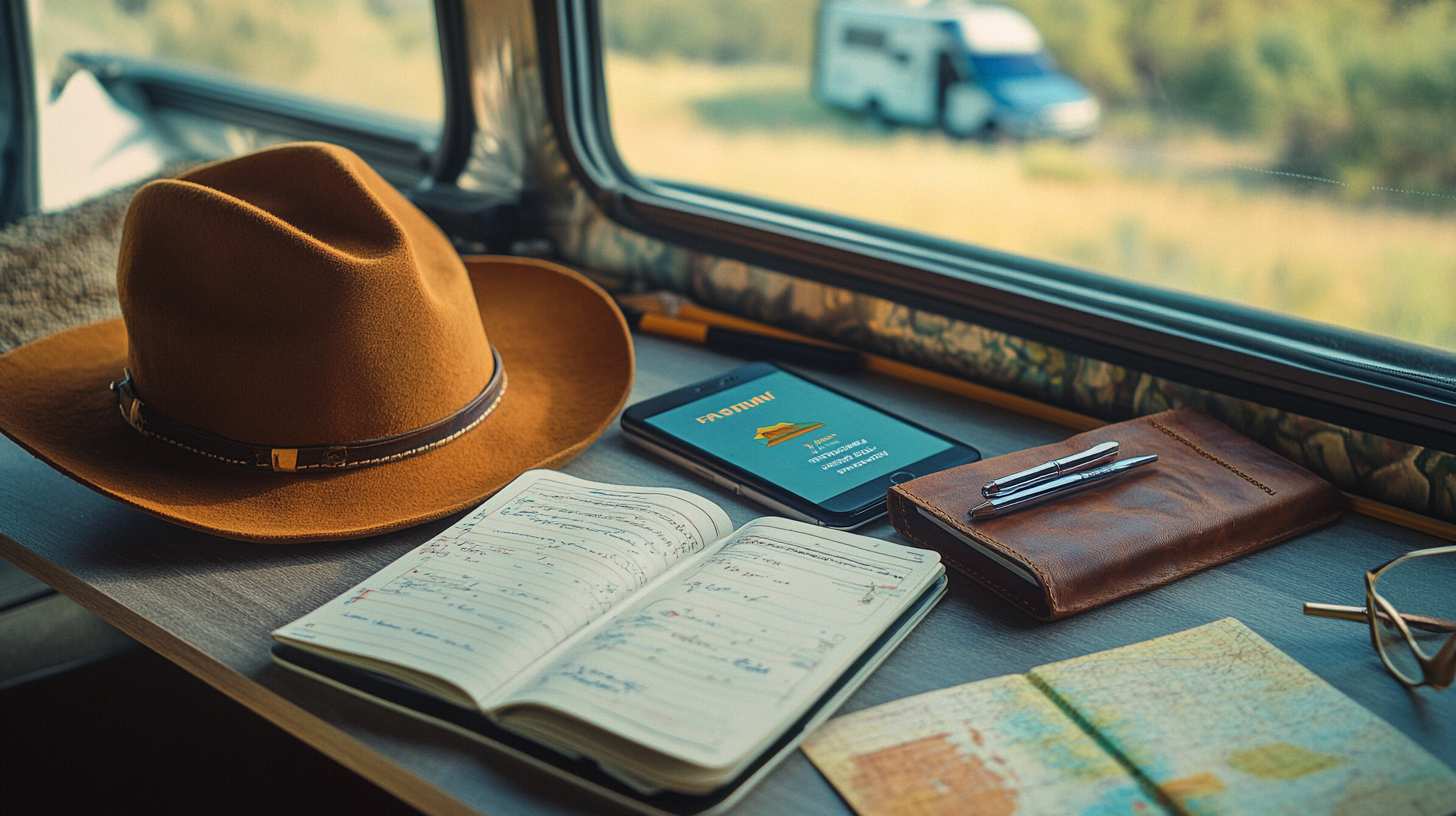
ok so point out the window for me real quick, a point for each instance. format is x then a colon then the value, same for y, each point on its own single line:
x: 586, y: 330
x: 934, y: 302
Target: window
x: 864, y: 37
x: 1254, y: 198
x: 374, y: 60
x: 1298, y: 157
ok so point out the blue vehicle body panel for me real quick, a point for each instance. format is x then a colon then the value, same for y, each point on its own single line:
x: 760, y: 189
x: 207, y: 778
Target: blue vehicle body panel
x: 1029, y: 94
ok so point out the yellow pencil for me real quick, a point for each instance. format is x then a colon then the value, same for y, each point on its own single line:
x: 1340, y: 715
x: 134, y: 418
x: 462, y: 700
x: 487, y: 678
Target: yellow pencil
x: 669, y: 306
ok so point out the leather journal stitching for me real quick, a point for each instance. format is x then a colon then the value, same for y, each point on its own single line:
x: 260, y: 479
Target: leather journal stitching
x: 1206, y: 455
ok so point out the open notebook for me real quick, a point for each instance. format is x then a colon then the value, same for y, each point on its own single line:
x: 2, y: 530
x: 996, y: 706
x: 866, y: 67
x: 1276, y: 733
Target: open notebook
x: 628, y: 626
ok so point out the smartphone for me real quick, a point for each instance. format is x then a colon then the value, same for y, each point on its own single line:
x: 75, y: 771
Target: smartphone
x: 800, y: 448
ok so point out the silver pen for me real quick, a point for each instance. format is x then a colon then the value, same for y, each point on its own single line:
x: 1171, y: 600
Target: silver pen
x: 1057, y: 488
x: 1022, y: 479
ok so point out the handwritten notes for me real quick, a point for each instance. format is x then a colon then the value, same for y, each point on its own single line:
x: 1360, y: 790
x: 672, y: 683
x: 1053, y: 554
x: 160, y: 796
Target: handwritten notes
x: 751, y: 635
x: 627, y: 624
x: 526, y: 570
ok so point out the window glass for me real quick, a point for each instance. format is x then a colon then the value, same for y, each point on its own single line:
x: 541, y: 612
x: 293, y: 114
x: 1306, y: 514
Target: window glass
x: 378, y: 55
x: 1298, y: 156
x: 381, y: 55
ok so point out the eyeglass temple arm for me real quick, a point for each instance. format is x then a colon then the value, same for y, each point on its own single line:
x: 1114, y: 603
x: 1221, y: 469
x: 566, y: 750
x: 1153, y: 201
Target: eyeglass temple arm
x: 1349, y: 613
x: 1359, y: 615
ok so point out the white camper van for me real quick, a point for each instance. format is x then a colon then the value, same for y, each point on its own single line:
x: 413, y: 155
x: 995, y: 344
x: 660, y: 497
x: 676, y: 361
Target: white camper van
x: 966, y: 67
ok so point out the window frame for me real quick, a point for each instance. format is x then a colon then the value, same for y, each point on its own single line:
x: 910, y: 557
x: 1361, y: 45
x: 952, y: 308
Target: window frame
x: 19, y: 168
x: 1361, y: 381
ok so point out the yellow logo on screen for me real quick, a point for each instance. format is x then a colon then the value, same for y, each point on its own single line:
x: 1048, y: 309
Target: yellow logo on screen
x: 783, y: 432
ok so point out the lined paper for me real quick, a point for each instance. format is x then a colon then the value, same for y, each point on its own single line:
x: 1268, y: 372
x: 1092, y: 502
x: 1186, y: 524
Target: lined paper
x: 751, y: 636
x: 522, y: 573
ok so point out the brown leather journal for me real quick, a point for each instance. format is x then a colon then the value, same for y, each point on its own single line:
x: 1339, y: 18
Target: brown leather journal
x: 1212, y: 496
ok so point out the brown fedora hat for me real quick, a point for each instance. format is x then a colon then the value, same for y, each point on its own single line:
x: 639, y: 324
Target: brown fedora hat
x: 303, y: 356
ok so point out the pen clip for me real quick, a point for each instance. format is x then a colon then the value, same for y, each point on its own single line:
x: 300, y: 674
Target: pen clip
x: 1081, y: 460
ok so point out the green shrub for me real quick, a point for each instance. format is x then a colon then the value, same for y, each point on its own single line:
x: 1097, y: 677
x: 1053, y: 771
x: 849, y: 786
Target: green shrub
x: 722, y: 31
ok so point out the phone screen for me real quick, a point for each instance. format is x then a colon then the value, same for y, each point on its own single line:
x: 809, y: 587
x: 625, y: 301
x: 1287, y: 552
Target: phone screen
x: 803, y: 438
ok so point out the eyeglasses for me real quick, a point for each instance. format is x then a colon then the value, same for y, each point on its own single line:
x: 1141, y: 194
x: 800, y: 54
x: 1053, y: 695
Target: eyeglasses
x: 1409, y: 643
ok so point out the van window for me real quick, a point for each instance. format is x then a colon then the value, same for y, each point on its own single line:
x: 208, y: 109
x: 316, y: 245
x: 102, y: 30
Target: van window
x: 864, y: 38
x: 379, y: 56
x: 1297, y: 157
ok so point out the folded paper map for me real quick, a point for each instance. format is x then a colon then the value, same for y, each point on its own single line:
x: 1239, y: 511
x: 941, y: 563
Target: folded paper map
x: 1213, y: 720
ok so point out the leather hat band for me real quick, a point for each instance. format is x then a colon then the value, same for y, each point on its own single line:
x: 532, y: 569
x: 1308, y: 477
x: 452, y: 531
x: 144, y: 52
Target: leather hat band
x: 315, y: 457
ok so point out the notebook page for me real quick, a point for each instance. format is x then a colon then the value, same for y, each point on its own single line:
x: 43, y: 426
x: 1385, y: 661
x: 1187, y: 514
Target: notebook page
x: 541, y: 559
x: 710, y: 665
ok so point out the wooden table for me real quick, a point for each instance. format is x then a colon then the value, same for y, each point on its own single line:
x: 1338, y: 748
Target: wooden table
x: 208, y: 604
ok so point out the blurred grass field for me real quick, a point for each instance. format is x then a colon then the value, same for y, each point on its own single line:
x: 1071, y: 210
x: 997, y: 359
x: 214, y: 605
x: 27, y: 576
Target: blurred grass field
x: 1188, y: 210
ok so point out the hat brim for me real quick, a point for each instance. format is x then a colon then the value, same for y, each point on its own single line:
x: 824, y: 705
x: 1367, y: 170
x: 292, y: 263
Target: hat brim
x: 568, y: 359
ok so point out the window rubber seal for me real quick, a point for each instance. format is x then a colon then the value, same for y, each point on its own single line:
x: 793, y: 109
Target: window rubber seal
x: 19, y: 138
x: 458, y: 134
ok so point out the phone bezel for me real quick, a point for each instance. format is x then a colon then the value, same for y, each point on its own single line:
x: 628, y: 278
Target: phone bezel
x: 860, y: 504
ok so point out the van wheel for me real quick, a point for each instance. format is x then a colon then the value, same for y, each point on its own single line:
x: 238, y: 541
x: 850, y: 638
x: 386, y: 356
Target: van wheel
x: 969, y: 111
x: 875, y: 116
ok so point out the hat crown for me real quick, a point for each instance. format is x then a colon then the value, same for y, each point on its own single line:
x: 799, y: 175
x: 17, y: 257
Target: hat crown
x: 292, y: 297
